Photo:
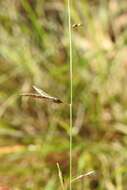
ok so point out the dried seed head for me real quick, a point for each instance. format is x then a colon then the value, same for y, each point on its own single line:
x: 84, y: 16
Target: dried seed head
x: 42, y: 95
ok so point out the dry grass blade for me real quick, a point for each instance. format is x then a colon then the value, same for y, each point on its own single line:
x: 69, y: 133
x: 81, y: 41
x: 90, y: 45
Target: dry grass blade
x: 83, y: 175
x: 60, y: 176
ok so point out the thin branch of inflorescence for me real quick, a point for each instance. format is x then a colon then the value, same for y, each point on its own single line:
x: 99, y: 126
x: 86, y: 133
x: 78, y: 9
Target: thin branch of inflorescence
x: 83, y: 176
x: 60, y: 176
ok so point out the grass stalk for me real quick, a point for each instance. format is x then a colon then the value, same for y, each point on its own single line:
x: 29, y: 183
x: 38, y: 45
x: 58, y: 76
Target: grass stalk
x: 71, y: 83
x: 60, y: 176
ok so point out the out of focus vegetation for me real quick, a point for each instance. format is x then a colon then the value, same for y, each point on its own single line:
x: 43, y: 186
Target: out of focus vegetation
x: 34, y: 135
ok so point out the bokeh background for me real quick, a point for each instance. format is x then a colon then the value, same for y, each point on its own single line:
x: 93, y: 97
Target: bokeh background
x: 34, y: 134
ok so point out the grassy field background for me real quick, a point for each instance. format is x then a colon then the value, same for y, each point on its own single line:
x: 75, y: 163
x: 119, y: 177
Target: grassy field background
x: 34, y: 134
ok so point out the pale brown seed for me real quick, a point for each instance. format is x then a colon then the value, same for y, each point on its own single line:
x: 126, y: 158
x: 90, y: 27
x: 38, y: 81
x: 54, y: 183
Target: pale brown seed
x: 77, y: 25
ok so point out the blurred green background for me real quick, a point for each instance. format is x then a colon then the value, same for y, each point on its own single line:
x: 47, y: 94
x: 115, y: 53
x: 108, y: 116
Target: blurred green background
x: 34, y: 134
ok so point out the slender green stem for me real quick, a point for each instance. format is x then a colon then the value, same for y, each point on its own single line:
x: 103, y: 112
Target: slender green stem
x: 70, y: 146
x: 71, y: 80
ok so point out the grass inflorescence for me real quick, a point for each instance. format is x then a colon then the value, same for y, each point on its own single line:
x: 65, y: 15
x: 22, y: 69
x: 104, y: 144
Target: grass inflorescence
x: 34, y: 49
